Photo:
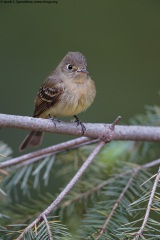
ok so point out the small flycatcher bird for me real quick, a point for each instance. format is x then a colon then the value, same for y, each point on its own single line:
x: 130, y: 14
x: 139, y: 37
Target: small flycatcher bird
x: 67, y: 91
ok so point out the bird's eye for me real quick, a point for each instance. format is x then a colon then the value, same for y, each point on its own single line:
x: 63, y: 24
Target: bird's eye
x: 69, y: 67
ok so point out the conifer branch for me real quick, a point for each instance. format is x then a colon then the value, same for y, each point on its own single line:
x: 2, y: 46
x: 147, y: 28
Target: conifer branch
x: 140, y: 232
x: 108, y: 181
x: 116, y: 205
x: 66, y: 189
x: 95, y: 133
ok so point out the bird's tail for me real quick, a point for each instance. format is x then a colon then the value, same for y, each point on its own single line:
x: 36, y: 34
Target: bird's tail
x: 34, y: 138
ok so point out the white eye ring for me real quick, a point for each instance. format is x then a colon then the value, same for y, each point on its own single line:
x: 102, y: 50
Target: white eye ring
x: 69, y: 67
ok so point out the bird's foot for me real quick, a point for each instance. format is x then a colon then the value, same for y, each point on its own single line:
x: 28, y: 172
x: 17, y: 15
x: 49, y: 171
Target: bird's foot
x: 54, y: 120
x: 78, y: 121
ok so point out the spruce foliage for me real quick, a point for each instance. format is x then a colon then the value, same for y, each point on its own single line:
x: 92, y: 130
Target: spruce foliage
x: 109, y: 202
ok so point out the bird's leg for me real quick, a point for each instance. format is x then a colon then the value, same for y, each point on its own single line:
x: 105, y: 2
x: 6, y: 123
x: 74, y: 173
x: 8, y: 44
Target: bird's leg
x: 54, y: 120
x: 80, y: 123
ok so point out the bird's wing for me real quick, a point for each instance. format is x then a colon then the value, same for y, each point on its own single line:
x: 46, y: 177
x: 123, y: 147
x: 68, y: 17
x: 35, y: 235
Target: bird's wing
x: 47, y: 97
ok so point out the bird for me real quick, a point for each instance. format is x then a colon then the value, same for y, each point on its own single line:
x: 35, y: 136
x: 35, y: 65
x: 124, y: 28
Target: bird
x: 67, y: 91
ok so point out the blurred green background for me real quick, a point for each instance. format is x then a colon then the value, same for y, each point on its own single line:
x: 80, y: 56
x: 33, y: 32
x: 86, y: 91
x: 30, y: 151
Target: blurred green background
x: 120, y: 39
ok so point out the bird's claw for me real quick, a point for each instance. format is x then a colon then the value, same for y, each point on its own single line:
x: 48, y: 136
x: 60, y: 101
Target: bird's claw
x: 78, y: 121
x: 54, y: 120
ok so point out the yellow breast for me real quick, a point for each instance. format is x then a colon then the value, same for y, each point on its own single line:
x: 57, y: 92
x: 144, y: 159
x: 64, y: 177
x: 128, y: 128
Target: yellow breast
x: 78, y: 95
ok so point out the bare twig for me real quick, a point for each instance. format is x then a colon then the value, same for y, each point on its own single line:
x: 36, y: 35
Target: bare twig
x: 116, y: 121
x: 37, y: 155
x: 48, y: 227
x: 109, y: 136
x: 136, y: 133
x: 140, y: 232
x: 151, y: 164
x: 66, y: 189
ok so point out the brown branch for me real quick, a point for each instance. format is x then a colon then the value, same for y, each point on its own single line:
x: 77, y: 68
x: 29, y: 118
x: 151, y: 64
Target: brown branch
x: 140, y: 232
x: 136, y: 133
x: 66, y: 189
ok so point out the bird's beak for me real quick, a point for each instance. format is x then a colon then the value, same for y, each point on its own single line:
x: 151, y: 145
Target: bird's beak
x: 82, y: 70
